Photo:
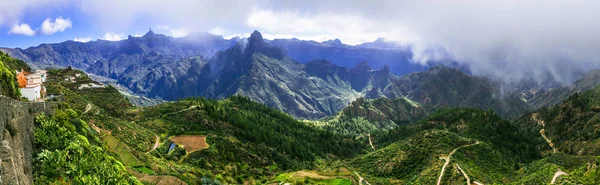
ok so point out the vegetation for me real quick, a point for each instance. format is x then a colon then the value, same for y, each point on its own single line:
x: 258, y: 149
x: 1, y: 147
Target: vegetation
x: 13, y: 63
x: 250, y: 143
x: 82, y: 160
x: 8, y: 81
x: 368, y: 116
x: 573, y: 126
x: 246, y: 137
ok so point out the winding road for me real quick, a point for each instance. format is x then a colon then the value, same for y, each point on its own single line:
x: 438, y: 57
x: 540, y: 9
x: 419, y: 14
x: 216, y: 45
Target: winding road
x: 156, y: 143
x: 464, y: 174
x: 361, y: 179
x: 540, y: 122
x: 370, y: 142
x: 558, y: 174
x: 447, y: 158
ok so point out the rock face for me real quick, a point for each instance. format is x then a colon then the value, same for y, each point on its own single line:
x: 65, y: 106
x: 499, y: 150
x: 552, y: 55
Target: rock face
x: 16, y: 139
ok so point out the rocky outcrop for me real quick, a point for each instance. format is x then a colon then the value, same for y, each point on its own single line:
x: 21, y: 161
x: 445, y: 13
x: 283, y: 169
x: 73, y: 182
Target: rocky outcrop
x: 16, y: 139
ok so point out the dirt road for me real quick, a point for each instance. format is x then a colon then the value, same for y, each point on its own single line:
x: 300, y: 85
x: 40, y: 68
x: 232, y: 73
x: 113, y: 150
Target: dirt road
x: 557, y: 174
x: 447, y: 158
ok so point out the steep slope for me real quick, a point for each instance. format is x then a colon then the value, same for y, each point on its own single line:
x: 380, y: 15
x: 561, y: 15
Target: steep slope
x: 17, y: 125
x: 572, y: 126
x: 557, y: 95
x: 448, y: 87
x: 8, y: 82
x: 121, y: 54
x: 136, y: 63
x: 264, y: 73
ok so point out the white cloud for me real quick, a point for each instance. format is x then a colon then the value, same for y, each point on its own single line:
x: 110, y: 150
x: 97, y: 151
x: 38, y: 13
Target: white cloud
x: 181, y: 32
x: 218, y: 31
x: 350, y: 28
x: 174, y: 32
x: 508, y: 38
x: 22, y: 29
x: 112, y: 36
x: 50, y: 27
x: 82, y: 39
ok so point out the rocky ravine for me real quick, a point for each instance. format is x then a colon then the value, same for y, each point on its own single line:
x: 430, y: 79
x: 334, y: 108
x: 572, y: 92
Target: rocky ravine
x: 16, y: 139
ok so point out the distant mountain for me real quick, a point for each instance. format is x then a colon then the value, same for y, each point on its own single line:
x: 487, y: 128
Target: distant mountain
x: 379, y: 54
x: 448, y: 87
x: 264, y: 73
x: 382, y: 43
x: 553, y: 96
x: 161, y: 67
x: 119, y: 56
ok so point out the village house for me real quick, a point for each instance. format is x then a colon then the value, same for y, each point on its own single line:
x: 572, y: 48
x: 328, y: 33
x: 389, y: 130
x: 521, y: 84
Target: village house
x: 70, y: 79
x: 42, y: 73
x: 91, y: 86
x: 31, y: 85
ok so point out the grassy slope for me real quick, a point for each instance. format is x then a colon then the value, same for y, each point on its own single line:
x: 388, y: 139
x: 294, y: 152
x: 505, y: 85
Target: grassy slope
x: 243, y: 134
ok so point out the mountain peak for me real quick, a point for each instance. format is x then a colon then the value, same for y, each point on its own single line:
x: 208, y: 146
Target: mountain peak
x: 150, y: 32
x: 362, y: 66
x: 333, y: 42
x: 256, y: 37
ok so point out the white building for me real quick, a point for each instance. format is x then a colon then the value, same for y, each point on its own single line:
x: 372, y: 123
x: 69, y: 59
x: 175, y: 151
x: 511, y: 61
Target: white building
x: 70, y: 79
x: 34, y: 79
x: 91, y: 85
x: 33, y: 92
x: 42, y: 74
x: 31, y: 86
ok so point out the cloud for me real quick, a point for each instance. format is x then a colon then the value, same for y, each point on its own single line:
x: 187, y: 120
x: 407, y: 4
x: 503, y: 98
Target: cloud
x: 50, y: 27
x: 510, y: 39
x: 182, y: 32
x: 350, y: 28
x: 218, y: 31
x: 82, y: 39
x: 21, y: 29
x: 112, y: 36
x: 174, y: 32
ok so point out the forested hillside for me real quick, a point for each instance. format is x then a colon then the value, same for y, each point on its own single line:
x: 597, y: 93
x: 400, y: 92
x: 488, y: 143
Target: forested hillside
x: 8, y: 81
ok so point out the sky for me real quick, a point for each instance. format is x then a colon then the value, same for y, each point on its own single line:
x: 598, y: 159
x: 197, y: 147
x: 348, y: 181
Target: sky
x: 508, y: 38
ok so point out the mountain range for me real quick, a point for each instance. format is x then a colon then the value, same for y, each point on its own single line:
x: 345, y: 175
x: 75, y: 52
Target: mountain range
x: 420, y: 128
x: 168, y: 68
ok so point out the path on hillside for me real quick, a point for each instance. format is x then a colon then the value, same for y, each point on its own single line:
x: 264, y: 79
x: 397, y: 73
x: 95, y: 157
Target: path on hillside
x: 180, y: 111
x: 370, y: 142
x: 557, y: 174
x: 88, y: 107
x: 464, y: 174
x: 157, y: 179
x: 156, y: 143
x: 447, y: 158
x: 361, y: 179
x: 540, y: 122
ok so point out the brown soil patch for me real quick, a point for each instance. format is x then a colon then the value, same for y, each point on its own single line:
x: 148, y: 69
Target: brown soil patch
x: 310, y: 174
x: 158, y: 179
x: 191, y: 143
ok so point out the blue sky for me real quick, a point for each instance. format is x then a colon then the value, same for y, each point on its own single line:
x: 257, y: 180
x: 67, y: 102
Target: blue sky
x: 502, y: 37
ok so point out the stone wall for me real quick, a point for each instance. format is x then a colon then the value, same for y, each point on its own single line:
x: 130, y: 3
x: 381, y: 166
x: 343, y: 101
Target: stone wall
x: 16, y: 138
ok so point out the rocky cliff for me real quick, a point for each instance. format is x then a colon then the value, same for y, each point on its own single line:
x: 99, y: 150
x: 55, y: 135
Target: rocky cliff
x: 16, y: 138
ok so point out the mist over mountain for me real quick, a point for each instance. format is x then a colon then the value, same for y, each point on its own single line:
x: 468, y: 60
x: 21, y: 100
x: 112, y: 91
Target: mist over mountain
x: 378, y: 53
x: 163, y: 67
